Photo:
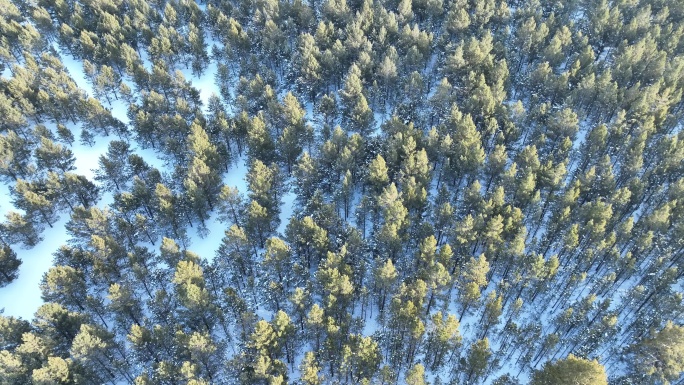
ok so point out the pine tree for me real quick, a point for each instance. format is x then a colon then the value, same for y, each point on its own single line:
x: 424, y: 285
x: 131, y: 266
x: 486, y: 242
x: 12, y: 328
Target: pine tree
x: 285, y: 335
x: 393, y: 231
x: 290, y: 146
x: 492, y: 311
x: 202, y: 185
x: 56, y: 371
x: 405, y: 322
x: 261, y: 145
x: 234, y: 260
x: 327, y: 109
x: 106, y: 83
x: 477, y: 361
x: 191, y: 291
x: 33, y: 199
x: 306, y: 176
x: 315, y: 321
x: 660, y: 357
x: 385, y: 278
x: 335, y: 279
x: 9, y: 266
x: 126, y: 307
x: 19, y: 229
x: 230, y: 205
x: 73, y: 190
x: 387, y: 72
x: 443, y: 340
x: 300, y: 300
x: 377, y: 174
x: 506, y: 379
x: 197, y: 49
x: 203, y: 180
x: 264, y: 341
x: 473, y: 277
x: 258, y: 223
x: 355, y: 111
x: 94, y: 348
x: 309, y: 72
x: 308, y: 240
x: 276, y: 259
x: 431, y: 269
x: 416, y: 375
x: 54, y: 157
x: 170, y: 214
x: 15, y: 157
x: 265, y: 188
x: 571, y: 370
x: 468, y: 153
x: 310, y: 370
x: 113, y: 170
x: 360, y: 358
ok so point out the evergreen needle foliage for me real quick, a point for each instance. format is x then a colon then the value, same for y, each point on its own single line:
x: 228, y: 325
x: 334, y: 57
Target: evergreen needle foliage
x: 405, y: 192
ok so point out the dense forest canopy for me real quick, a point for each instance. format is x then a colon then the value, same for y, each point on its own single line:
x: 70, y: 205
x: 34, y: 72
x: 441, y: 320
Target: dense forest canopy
x: 484, y: 191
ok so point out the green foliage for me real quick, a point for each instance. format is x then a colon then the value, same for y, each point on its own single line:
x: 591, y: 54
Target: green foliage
x: 660, y: 357
x: 546, y: 136
x: 9, y: 265
x: 572, y: 370
x: 310, y: 370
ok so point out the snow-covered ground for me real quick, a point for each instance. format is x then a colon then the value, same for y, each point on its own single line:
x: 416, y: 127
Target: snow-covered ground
x: 21, y: 298
x: 206, y: 84
x: 287, y: 208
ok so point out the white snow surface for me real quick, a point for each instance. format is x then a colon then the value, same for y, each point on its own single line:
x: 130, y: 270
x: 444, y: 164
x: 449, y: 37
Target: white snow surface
x: 21, y: 298
x: 204, y: 84
x: 287, y: 208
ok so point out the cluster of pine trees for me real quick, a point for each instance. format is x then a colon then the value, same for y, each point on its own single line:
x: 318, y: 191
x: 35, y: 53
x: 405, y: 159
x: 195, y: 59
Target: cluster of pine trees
x: 487, y: 191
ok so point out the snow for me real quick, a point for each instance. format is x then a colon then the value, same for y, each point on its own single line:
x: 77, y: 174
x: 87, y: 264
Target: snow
x: 150, y: 157
x: 287, y: 206
x: 118, y: 109
x: 371, y: 325
x: 204, y: 84
x: 380, y: 118
x: 21, y: 298
x: 75, y: 69
x: 309, y: 107
x: 236, y: 176
x: 206, y: 246
x: 87, y: 157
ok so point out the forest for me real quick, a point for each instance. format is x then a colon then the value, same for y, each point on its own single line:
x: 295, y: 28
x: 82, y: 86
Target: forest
x: 400, y: 191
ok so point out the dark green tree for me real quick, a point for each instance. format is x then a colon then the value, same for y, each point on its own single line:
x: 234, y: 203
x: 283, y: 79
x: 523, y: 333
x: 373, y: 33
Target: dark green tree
x: 9, y: 265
